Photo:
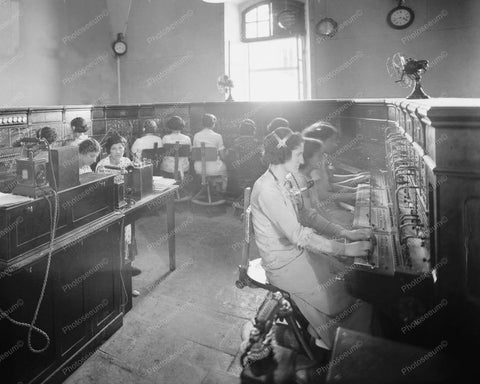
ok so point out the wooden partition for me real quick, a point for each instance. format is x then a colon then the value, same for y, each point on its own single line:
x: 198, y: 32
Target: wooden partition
x: 348, y: 115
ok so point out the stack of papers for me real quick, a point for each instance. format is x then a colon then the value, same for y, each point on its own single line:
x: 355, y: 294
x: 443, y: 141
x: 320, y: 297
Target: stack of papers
x: 8, y: 199
x: 160, y: 183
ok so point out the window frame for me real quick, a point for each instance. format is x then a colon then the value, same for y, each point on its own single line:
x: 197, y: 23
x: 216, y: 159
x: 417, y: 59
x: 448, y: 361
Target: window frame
x: 247, y: 10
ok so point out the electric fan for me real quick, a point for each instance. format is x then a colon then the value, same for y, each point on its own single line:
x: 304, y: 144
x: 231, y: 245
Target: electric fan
x: 225, y: 85
x: 408, y: 71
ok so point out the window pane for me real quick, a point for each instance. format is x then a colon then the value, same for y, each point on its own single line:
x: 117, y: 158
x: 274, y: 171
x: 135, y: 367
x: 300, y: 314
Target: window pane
x: 251, y: 15
x: 277, y: 53
x: 251, y: 30
x: 263, y: 12
x: 274, y: 85
x: 264, y: 29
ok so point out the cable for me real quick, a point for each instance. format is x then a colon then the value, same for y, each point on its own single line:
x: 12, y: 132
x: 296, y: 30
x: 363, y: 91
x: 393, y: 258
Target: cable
x: 53, y: 227
x: 128, y: 16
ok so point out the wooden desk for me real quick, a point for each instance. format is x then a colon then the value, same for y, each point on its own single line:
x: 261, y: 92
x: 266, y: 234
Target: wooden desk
x: 154, y: 202
x: 81, y: 306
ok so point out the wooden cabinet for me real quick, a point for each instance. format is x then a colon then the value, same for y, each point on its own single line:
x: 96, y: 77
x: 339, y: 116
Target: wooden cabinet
x: 80, y: 307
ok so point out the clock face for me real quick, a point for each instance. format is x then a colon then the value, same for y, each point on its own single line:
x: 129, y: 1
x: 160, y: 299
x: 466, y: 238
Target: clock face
x: 400, y: 17
x: 287, y: 19
x: 120, y: 47
x: 326, y: 27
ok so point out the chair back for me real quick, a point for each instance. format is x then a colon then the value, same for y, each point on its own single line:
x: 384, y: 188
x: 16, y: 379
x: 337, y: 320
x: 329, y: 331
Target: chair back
x: 155, y: 156
x: 176, y: 150
x: 251, y: 272
x: 204, y: 154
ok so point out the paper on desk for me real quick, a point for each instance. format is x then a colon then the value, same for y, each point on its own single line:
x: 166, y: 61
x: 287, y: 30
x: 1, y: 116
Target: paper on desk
x: 7, y: 199
x: 160, y: 183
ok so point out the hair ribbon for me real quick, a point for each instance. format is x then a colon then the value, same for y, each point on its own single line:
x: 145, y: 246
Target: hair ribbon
x: 281, y: 142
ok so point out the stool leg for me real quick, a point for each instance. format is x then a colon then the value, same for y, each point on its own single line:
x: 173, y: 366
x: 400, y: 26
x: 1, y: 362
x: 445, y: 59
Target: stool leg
x: 208, y: 193
x: 292, y: 322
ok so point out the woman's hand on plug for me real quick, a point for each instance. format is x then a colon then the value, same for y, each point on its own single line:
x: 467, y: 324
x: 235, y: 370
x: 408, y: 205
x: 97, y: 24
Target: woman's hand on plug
x: 359, y: 234
x: 358, y: 249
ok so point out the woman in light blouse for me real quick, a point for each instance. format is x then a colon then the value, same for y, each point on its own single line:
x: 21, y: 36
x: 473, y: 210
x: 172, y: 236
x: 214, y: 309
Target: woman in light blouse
x: 115, y: 146
x: 295, y: 258
x: 215, y: 140
x: 312, y: 213
x: 175, y: 125
x: 331, y: 188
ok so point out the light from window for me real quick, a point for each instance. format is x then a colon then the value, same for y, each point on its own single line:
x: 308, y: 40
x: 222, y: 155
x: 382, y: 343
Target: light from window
x: 275, y: 71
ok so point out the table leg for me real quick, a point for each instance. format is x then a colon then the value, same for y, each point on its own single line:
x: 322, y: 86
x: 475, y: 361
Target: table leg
x: 171, y: 230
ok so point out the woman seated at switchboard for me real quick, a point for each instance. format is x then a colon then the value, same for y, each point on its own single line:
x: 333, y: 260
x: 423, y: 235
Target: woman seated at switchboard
x: 211, y: 139
x: 88, y: 151
x: 79, y: 128
x: 329, y: 187
x: 115, y: 147
x: 295, y: 258
x: 175, y: 125
x: 311, y: 212
x: 277, y: 122
x: 328, y: 135
x: 148, y: 140
x: 246, y: 155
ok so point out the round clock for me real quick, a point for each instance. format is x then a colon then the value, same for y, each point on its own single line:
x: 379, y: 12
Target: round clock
x: 287, y: 19
x: 326, y: 27
x: 119, y: 46
x: 400, y: 17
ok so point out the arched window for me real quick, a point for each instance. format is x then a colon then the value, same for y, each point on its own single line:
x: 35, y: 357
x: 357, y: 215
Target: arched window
x: 273, y: 19
x: 257, y: 21
x: 269, y: 61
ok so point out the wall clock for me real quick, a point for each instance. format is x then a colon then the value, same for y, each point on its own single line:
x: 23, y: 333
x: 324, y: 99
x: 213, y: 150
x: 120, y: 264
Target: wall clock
x: 287, y: 19
x: 400, y: 17
x: 326, y: 27
x: 119, y: 46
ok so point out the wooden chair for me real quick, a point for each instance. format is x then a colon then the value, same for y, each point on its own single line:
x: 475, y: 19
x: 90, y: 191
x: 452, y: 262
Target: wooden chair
x: 205, y: 154
x: 178, y: 150
x: 155, y: 156
x: 252, y: 274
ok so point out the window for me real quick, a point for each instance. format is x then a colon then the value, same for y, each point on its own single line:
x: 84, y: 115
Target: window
x: 261, y: 21
x: 268, y: 62
x: 275, y: 69
x: 258, y: 22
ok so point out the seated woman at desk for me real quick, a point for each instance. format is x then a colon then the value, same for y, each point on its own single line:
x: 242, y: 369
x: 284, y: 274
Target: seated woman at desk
x: 311, y: 211
x: 295, y: 258
x: 328, y: 135
x: 79, y: 128
x: 115, y: 147
x: 175, y: 125
x: 215, y: 140
x: 246, y: 156
x: 331, y: 188
x: 88, y: 151
x: 277, y: 122
x: 148, y: 140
